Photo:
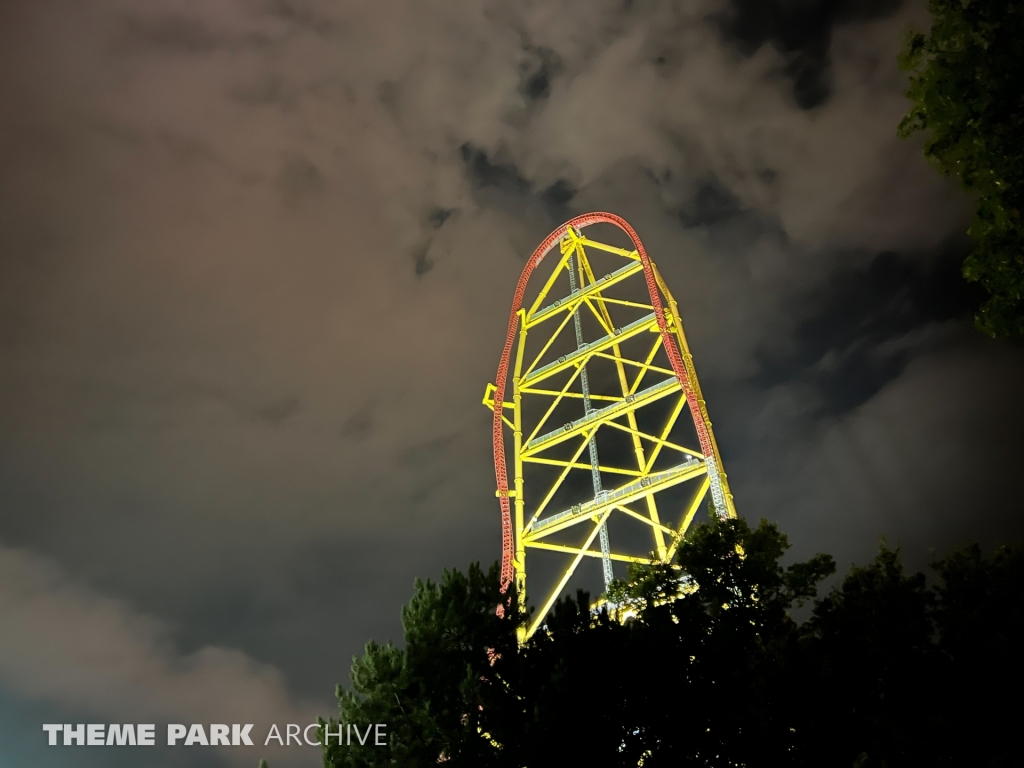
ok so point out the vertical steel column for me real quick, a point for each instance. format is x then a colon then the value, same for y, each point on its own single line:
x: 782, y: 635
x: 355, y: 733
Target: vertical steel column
x: 517, y: 431
x: 595, y: 471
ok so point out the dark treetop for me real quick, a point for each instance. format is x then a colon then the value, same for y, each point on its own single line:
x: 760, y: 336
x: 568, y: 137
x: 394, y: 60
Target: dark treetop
x: 967, y: 89
x: 713, y: 670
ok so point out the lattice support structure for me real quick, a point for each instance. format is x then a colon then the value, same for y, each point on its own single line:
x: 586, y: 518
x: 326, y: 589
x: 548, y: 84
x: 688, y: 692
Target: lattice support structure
x: 637, y: 342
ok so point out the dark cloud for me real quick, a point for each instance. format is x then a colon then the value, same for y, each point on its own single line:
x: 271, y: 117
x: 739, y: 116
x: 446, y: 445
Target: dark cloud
x: 850, y: 345
x: 300, y: 179
x: 269, y: 89
x: 190, y: 150
x: 181, y: 34
x: 304, y: 14
x: 428, y: 452
x: 279, y: 410
x: 421, y: 262
x: 713, y: 203
x: 358, y: 426
x: 540, y: 67
x: 707, y: 205
x: 438, y: 216
x: 802, y: 31
x: 499, y: 185
x: 117, y: 662
x: 487, y: 173
x: 558, y: 195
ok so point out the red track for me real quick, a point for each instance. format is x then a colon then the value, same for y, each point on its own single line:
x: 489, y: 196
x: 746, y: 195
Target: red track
x: 500, y: 469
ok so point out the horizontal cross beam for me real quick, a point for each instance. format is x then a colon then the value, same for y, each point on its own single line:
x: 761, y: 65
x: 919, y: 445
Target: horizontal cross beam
x: 624, y: 494
x: 600, y: 416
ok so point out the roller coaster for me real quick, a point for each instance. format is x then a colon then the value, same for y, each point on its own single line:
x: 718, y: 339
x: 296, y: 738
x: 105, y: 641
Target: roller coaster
x: 604, y: 465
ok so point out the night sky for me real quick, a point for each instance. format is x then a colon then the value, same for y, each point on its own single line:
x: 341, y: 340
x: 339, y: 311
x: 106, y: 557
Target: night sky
x: 256, y: 261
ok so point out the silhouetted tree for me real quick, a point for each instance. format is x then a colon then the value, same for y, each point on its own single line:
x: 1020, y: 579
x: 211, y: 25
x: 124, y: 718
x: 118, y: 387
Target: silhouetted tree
x: 697, y: 674
x: 706, y: 667
x: 979, y: 617
x: 431, y: 692
x: 868, y: 653
x: 967, y: 89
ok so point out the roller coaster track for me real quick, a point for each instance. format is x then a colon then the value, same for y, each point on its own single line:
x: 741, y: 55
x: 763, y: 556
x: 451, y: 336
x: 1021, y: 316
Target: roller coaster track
x: 595, y: 300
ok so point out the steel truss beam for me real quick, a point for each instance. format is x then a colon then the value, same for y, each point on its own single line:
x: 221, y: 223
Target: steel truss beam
x: 663, y: 458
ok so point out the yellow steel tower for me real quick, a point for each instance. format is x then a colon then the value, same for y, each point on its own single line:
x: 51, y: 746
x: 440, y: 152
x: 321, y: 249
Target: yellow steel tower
x: 604, y: 464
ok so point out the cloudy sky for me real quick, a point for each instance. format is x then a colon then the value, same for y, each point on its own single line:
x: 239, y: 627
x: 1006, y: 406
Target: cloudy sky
x: 256, y: 259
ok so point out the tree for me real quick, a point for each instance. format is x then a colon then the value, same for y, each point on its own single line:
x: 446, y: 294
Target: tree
x: 713, y: 649
x: 431, y: 693
x: 869, y: 645
x: 727, y: 628
x: 703, y: 664
x: 979, y: 618
x: 967, y: 89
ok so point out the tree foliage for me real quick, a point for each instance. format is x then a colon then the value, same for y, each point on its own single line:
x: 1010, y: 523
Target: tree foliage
x: 710, y: 669
x: 431, y: 693
x: 967, y: 89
